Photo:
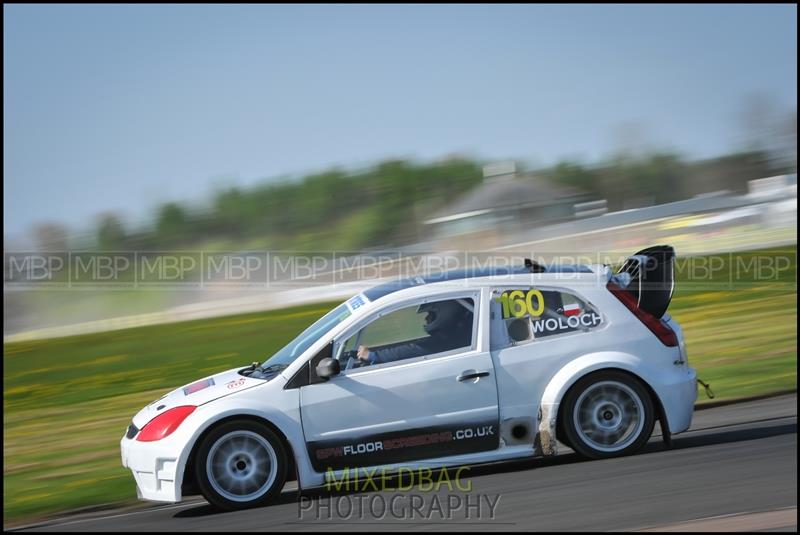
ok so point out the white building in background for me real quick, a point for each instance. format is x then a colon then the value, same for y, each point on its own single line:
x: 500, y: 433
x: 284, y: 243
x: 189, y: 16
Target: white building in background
x: 506, y: 201
x: 781, y: 185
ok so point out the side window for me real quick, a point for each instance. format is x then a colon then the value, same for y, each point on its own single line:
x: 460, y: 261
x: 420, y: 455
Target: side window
x: 410, y: 332
x: 520, y: 316
x: 401, y: 326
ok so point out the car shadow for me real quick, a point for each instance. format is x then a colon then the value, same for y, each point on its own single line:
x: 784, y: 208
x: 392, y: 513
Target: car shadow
x: 500, y: 467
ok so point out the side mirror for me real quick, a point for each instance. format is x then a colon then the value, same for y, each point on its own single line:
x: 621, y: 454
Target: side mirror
x: 328, y: 368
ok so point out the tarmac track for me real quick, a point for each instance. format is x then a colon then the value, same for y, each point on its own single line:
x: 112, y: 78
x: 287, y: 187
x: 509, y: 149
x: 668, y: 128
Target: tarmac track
x: 735, y: 469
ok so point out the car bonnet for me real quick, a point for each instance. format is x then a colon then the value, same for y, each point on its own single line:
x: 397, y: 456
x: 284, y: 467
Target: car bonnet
x: 198, y: 393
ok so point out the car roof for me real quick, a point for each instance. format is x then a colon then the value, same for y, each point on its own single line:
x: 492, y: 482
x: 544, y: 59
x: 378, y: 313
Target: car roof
x: 382, y: 290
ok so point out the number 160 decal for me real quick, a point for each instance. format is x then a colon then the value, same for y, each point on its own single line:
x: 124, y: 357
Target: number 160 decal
x: 517, y: 303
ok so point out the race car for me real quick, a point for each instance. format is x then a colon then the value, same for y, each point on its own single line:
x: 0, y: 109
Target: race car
x: 459, y: 368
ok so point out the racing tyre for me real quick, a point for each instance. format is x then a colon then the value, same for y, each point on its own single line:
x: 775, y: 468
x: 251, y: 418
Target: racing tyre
x: 241, y: 464
x: 608, y: 414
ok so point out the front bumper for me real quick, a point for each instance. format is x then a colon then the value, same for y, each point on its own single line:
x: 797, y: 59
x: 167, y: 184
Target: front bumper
x: 154, y: 466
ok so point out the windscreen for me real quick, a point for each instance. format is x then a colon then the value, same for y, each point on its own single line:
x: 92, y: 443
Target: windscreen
x: 306, y: 339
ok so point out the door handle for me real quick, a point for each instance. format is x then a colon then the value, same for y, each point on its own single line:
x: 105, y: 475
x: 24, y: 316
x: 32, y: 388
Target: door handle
x: 466, y: 375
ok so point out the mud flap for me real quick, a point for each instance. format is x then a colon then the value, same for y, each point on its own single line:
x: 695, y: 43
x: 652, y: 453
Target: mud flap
x: 666, y: 434
x: 546, y: 437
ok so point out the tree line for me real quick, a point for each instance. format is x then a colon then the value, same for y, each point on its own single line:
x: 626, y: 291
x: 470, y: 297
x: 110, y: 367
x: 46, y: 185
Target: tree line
x: 386, y: 204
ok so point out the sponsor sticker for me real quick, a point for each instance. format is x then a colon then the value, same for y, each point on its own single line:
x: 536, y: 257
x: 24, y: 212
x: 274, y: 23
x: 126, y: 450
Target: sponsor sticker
x: 356, y: 301
x: 555, y: 325
x: 236, y: 383
x: 520, y: 303
x: 404, y: 445
x: 406, y: 442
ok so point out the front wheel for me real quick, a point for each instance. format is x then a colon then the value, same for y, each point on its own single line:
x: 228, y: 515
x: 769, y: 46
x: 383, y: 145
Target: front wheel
x: 608, y: 414
x: 241, y: 464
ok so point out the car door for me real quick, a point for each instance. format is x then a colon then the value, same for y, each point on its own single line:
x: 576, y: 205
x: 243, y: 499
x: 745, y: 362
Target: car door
x: 436, y: 402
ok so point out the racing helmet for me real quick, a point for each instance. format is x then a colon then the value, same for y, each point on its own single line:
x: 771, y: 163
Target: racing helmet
x: 440, y: 315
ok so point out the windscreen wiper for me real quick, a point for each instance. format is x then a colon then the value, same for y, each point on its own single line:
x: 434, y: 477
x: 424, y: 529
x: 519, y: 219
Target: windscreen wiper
x: 273, y: 368
x: 257, y: 368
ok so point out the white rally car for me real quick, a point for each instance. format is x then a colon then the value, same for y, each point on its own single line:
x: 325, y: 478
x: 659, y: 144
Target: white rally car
x: 460, y: 368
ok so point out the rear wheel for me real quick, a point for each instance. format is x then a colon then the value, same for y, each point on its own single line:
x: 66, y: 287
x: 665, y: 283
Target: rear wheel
x: 241, y: 464
x: 608, y: 414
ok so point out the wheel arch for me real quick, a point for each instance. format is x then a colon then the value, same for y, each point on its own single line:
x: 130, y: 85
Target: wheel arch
x: 661, y: 415
x: 188, y: 485
x: 551, y: 412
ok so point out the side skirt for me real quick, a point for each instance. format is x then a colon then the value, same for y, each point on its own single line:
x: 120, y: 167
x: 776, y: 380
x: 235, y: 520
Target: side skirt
x: 335, y: 478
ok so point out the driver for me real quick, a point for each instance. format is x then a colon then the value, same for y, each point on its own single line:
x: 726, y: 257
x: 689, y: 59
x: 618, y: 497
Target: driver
x: 448, y: 324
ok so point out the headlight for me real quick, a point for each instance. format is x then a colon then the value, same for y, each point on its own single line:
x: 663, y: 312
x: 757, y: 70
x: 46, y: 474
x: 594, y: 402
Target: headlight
x: 164, y: 424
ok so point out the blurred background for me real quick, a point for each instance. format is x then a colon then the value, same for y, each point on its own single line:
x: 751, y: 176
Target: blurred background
x: 367, y: 132
x: 351, y: 128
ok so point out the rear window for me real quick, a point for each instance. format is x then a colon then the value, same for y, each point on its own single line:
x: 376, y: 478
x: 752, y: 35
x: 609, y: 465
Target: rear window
x: 523, y: 315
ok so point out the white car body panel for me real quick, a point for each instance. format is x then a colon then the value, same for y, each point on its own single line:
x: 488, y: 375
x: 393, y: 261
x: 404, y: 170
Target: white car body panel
x: 225, y: 384
x: 524, y: 387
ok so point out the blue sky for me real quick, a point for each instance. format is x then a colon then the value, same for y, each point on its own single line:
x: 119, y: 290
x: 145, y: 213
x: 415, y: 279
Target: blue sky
x: 119, y: 108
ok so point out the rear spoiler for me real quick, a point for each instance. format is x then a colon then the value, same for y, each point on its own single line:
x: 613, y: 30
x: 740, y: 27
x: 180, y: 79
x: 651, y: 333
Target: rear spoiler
x: 649, y: 275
